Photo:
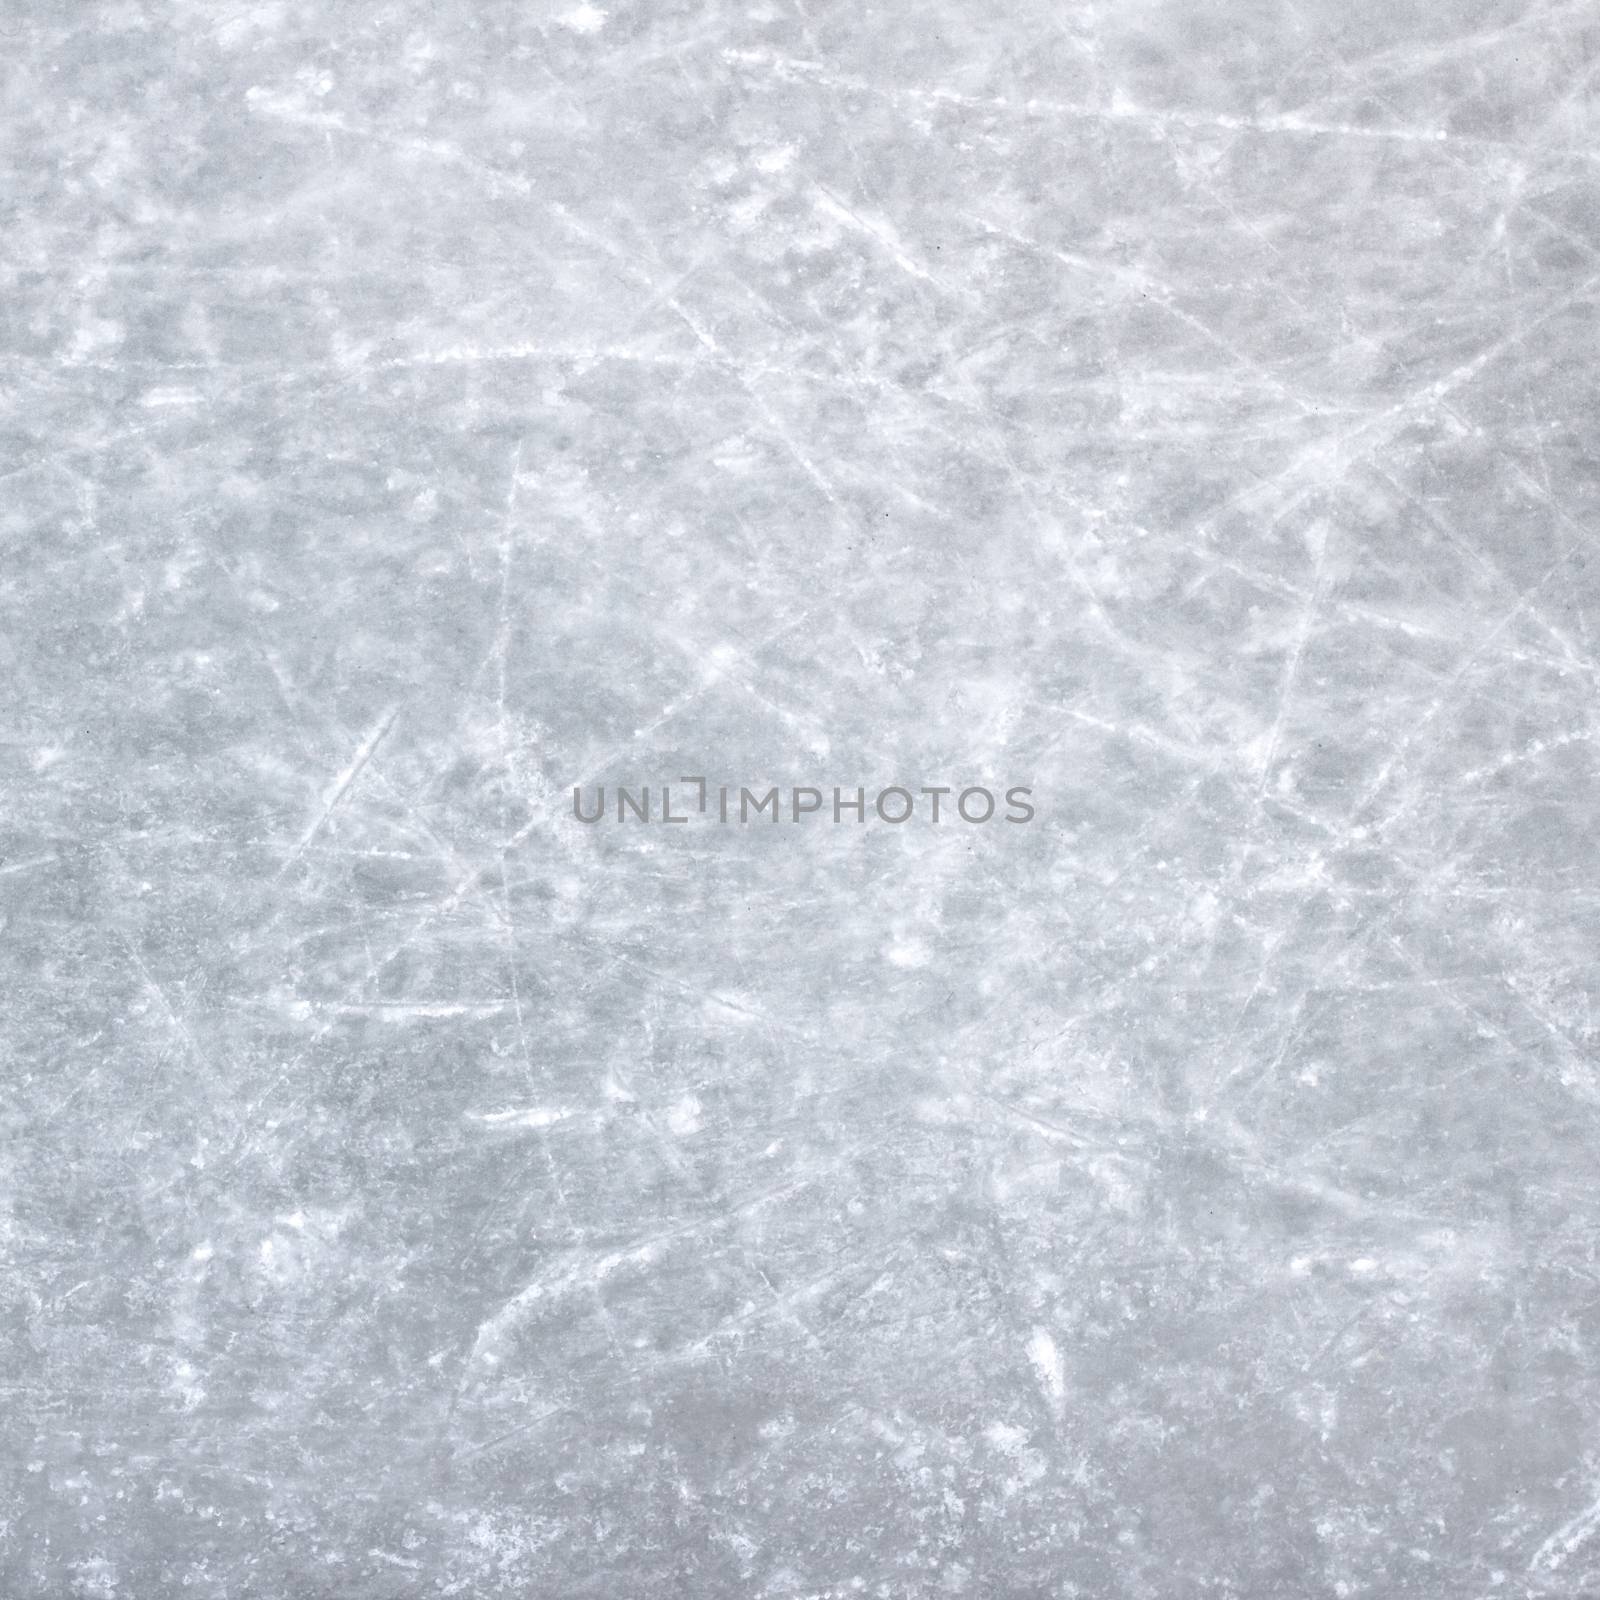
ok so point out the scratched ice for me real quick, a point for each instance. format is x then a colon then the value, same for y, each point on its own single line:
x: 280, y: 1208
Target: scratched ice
x: 413, y: 411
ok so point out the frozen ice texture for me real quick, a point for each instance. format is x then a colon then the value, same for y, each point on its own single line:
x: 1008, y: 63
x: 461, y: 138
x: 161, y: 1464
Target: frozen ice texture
x: 412, y: 411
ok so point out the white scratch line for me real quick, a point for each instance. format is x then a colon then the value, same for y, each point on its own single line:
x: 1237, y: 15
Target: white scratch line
x: 531, y: 1117
x: 342, y: 783
x: 1566, y: 1540
x: 27, y: 866
x: 842, y: 213
x: 405, y: 1010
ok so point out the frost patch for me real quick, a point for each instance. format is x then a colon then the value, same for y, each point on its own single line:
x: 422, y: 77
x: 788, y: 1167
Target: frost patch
x: 583, y: 18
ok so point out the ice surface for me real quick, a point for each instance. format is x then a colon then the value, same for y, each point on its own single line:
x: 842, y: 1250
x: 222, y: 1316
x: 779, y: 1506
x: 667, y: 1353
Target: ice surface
x: 411, y: 411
